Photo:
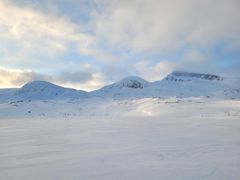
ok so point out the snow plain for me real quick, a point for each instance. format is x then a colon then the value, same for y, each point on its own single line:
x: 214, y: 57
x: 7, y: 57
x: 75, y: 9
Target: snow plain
x: 150, y: 138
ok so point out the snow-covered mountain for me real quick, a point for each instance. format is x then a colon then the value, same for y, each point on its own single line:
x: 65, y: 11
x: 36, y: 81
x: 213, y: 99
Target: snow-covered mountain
x: 131, y: 86
x: 8, y: 93
x: 178, y: 84
x: 184, y: 84
x: 42, y: 90
x: 187, y: 76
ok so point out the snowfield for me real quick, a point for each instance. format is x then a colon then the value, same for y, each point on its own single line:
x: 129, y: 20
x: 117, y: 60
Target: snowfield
x: 186, y: 126
x: 170, y: 138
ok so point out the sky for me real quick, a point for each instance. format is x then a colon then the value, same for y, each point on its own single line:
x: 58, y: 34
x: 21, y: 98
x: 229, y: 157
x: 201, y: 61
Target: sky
x: 87, y: 44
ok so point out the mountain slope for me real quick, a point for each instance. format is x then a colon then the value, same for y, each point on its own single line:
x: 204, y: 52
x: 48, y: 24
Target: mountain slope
x: 178, y: 84
x: 131, y: 86
x: 188, y: 76
x: 42, y: 90
x: 185, y: 84
x: 6, y: 94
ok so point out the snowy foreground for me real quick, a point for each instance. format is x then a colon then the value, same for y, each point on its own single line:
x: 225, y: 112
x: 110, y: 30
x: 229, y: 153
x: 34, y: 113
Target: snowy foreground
x: 150, y: 138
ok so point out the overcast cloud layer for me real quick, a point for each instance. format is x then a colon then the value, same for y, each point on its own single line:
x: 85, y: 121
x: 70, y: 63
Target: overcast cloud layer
x: 87, y: 44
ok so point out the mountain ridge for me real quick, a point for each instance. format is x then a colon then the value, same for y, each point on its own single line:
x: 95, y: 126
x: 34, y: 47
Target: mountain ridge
x: 182, y: 75
x: 177, y: 83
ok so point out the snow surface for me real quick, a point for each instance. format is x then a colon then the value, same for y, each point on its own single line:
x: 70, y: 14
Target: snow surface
x: 186, y: 126
x: 150, y: 138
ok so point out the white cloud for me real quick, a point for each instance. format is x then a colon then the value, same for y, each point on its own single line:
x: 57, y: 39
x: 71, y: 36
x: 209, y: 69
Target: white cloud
x: 154, y: 72
x: 161, y: 26
x: 35, y: 31
x: 97, y: 81
x: 85, y: 79
x: 187, y: 30
x: 17, y: 77
x: 156, y: 26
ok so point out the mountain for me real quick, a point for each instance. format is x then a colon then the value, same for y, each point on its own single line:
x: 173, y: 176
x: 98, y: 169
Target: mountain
x: 42, y: 90
x: 133, y: 82
x: 131, y: 86
x: 177, y: 84
x: 184, y: 84
x: 6, y: 94
x: 188, y: 76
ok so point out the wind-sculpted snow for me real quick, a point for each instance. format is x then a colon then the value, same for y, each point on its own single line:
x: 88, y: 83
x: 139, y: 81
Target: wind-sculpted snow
x: 98, y: 107
x: 148, y: 138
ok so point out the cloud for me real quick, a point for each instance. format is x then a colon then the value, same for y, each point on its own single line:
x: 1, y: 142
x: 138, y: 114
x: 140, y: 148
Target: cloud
x: 154, y: 72
x: 95, y: 82
x: 149, y: 38
x: 186, y: 32
x: 83, y: 79
x: 159, y: 26
x: 87, y: 77
x: 31, y: 38
x: 154, y: 26
x: 35, y: 32
x: 16, y: 78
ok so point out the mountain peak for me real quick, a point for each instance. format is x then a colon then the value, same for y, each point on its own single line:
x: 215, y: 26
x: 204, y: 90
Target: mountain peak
x: 46, y: 90
x: 39, y: 88
x: 131, y: 82
x: 187, y: 76
x: 39, y: 84
x: 178, y: 83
